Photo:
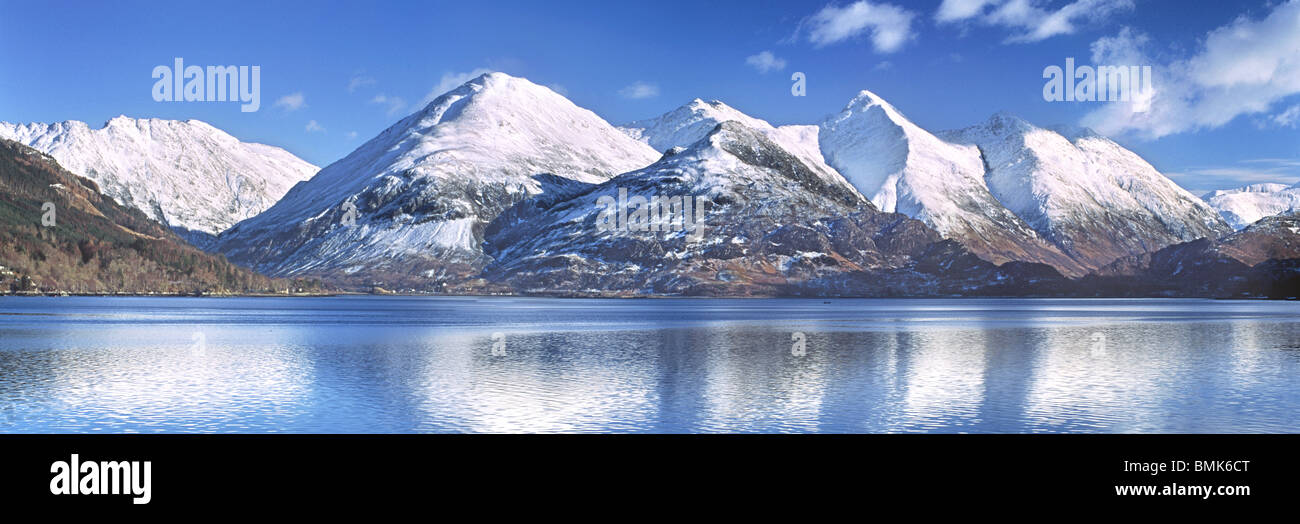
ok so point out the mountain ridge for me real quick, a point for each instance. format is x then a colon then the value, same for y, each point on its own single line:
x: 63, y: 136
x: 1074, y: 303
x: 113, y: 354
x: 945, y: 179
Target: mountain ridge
x: 187, y: 174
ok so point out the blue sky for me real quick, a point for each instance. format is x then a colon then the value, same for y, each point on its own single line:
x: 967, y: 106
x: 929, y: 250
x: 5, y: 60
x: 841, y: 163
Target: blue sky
x: 1227, y: 76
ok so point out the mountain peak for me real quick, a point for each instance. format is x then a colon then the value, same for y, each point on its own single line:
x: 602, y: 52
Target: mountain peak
x: 496, y: 86
x: 700, y: 104
x: 733, y: 131
x: 1007, y: 122
x: 688, y: 123
x: 867, y: 97
x: 877, y: 111
x: 119, y: 120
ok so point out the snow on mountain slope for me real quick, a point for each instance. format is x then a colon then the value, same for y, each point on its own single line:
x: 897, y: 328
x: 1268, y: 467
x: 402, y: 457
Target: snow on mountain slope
x: 690, y: 123
x: 902, y: 167
x: 1086, y: 194
x: 1244, y: 206
x: 421, y: 191
x: 185, y: 174
x: 769, y: 225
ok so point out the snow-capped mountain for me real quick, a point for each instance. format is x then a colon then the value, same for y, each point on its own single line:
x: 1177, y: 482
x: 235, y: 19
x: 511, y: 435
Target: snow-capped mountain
x: 906, y: 169
x: 1092, y: 198
x: 1244, y: 206
x: 412, y: 202
x: 188, y: 175
x: 770, y: 225
x: 689, y: 123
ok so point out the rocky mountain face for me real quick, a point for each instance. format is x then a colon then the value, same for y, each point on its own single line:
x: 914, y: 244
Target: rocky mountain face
x: 58, y: 233
x: 1262, y: 260
x: 764, y: 223
x: 188, y: 175
x: 1274, y: 237
x: 408, y: 208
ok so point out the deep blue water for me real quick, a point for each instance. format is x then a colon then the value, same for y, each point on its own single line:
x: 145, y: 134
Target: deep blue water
x: 409, y: 364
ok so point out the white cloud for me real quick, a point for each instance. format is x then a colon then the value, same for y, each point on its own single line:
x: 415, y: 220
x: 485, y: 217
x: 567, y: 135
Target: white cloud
x: 889, y: 26
x: 1031, y: 21
x: 393, y: 104
x: 1246, y: 67
x: 359, y: 81
x: 639, y: 90
x: 313, y: 127
x: 954, y: 10
x: 1288, y: 118
x: 292, y: 102
x: 351, y: 135
x: 451, y: 80
x: 563, y: 91
x: 765, y: 62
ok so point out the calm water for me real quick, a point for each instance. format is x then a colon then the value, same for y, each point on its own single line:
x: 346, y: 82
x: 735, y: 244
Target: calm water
x: 403, y: 364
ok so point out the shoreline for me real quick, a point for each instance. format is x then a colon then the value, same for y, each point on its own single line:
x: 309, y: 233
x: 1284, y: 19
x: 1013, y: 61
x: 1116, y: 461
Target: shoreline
x: 618, y: 297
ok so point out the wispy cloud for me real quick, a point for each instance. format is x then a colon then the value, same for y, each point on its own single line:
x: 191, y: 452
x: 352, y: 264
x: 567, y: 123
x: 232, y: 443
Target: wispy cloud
x: 359, y: 81
x: 451, y: 80
x: 1289, y: 117
x: 393, y: 104
x: 351, y: 135
x: 1247, y: 67
x: 889, y: 26
x: 765, y: 62
x: 1203, y: 179
x: 639, y: 90
x: 313, y: 127
x: 955, y: 10
x: 1029, y: 19
x: 563, y: 91
x: 291, y: 102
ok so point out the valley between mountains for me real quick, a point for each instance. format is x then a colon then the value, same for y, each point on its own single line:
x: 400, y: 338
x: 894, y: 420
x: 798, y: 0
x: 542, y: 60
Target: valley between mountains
x: 494, y: 187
